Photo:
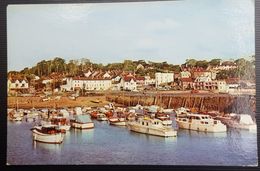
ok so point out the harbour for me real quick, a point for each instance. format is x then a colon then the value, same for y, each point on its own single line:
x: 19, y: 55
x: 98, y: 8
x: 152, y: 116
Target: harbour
x: 101, y: 146
x: 116, y: 145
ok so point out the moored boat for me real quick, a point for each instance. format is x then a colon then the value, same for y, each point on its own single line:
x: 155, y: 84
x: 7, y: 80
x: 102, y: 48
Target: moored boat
x: 61, y: 122
x: 238, y: 121
x: 48, y: 134
x: 82, y: 122
x: 101, y: 117
x: 118, y: 121
x: 151, y: 126
x: 199, y: 122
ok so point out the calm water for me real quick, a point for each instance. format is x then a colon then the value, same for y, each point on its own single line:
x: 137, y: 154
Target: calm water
x: 107, y: 144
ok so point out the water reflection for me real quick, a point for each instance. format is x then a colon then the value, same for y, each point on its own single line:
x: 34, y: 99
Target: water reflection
x: 83, y: 135
x: 49, y: 147
x: 193, y: 133
x: 153, y: 138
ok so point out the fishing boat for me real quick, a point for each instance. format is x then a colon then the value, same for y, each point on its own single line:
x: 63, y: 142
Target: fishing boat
x: 82, y: 122
x: 199, y: 122
x: 101, y: 117
x: 61, y: 122
x: 94, y: 114
x: 151, y: 126
x: 48, y: 134
x: 238, y: 121
x: 118, y: 121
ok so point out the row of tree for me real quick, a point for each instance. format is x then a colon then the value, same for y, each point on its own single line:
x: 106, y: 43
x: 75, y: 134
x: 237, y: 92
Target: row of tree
x: 245, y: 69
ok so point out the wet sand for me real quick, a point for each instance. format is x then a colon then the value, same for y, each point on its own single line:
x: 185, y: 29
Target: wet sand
x: 37, y: 102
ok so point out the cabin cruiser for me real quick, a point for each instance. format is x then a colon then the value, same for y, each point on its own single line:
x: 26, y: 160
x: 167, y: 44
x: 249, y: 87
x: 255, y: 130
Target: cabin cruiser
x: 182, y: 111
x: 165, y: 118
x: 82, y: 122
x: 48, y: 134
x: 199, y: 122
x: 239, y: 121
x: 151, y: 126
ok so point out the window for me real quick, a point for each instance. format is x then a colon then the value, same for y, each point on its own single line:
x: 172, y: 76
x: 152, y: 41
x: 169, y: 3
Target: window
x: 206, y: 123
x: 142, y: 123
x: 197, y: 118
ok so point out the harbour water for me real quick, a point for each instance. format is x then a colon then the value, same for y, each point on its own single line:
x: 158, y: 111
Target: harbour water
x: 106, y: 144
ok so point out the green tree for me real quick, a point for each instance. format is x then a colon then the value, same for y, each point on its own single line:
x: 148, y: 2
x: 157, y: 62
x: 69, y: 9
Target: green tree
x: 215, y: 62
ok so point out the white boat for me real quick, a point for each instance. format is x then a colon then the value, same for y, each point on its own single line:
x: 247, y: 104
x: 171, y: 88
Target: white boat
x: 78, y: 111
x: 199, y: 122
x: 165, y: 118
x: 82, y: 122
x: 47, y: 134
x: 101, y: 117
x: 151, y: 126
x: 182, y: 111
x: 239, y: 121
x: 16, y: 115
x: 61, y: 122
x: 118, y: 121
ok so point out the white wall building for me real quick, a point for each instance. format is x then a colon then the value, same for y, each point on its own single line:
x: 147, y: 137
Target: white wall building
x: 148, y: 80
x: 87, y: 84
x: 17, y: 84
x: 222, y: 87
x: 163, y: 78
x: 128, y: 83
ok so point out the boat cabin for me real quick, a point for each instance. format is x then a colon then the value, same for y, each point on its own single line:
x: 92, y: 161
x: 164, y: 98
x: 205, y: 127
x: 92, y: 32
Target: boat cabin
x: 204, y: 119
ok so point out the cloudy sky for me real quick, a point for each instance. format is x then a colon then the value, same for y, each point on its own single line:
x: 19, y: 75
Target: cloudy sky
x: 169, y: 31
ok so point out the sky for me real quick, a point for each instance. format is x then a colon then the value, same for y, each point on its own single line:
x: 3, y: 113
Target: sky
x: 171, y: 31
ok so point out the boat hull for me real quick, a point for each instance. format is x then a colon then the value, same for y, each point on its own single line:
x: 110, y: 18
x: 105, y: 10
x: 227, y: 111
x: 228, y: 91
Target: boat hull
x: 65, y: 127
x: 202, y: 128
x: 48, y: 138
x: 88, y: 125
x: 152, y: 131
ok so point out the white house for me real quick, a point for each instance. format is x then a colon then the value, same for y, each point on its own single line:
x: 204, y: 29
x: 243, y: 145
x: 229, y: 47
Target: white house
x: 163, y: 78
x: 222, y: 86
x: 106, y: 75
x: 87, y: 84
x: 87, y: 74
x: 117, y: 78
x: 17, y: 84
x: 128, y: 83
x: 149, y: 81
